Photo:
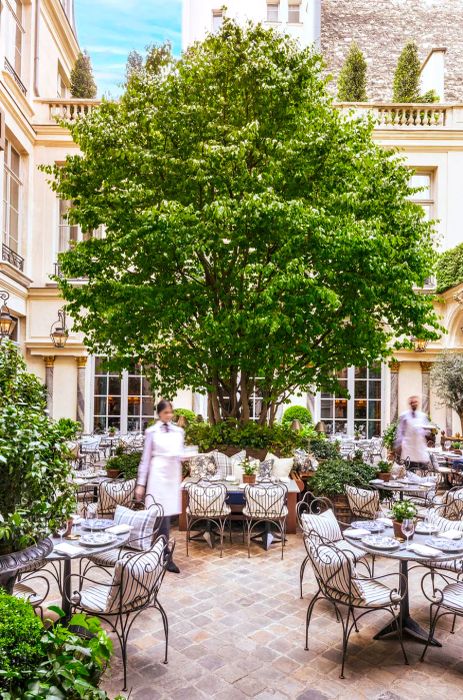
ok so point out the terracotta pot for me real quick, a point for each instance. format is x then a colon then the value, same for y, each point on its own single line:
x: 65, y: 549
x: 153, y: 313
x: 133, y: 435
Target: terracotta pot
x: 249, y: 478
x: 385, y: 476
x: 398, y: 531
x: 113, y: 473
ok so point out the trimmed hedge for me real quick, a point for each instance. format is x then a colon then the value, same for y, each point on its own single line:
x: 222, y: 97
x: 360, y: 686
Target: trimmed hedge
x: 300, y: 413
x: 449, y: 268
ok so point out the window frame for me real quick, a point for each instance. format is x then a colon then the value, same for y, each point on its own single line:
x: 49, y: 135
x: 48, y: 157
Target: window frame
x: 217, y: 15
x: 273, y: 6
x: 13, y: 47
x: 292, y: 6
x: 10, y: 176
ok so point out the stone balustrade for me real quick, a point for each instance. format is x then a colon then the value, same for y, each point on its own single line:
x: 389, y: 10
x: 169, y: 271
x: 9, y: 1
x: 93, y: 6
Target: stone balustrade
x: 69, y: 109
x: 419, y: 116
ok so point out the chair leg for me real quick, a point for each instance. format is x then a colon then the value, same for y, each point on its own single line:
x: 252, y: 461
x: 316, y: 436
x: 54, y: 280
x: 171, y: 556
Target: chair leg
x: 301, y: 573
x: 283, y: 533
x: 309, y: 616
x: 452, y: 631
x: 249, y: 539
x: 432, y: 627
x: 187, y: 536
x: 222, y: 531
x: 345, y: 638
x: 165, y: 623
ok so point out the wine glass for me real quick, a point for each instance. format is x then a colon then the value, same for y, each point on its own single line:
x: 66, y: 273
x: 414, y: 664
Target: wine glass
x: 61, y: 530
x: 91, y: 517
x: 378, y: 521
x: 408, y: 528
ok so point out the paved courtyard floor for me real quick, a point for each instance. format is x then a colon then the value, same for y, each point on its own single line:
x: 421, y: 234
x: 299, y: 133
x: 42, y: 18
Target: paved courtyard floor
x: 237, y: 631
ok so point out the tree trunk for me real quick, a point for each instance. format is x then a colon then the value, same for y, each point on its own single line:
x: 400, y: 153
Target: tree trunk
x: 460, y: 416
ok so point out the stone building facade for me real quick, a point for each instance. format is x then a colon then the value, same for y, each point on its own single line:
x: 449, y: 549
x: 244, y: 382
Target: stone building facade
x: 383, y: 27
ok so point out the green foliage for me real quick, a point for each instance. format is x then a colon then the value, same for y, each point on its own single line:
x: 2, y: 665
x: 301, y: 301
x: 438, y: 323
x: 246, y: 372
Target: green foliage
x: 407, y: 75
x: 404, y: 510
x: 186, y: 413
x: 69, y: 428
x: 322, y: 448
x: 82, y: 82
x: 384, y: 466
x: 53, y: 662
x: 20, y: 648
x: 334, y: 474
x: 352, y: 81
x: 447, y: 380
x: 300, y: 413
x: 429, y: 97
x: 449, y: 268
x: 36, y: 493
x: 279, y: 439
x: 126, y: 463
x: 255, y: 235
x: 389, y: 435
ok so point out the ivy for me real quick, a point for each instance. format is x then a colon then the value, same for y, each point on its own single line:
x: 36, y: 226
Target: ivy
x: 449, y: 268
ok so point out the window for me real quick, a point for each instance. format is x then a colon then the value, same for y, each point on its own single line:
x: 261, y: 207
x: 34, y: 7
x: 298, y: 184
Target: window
x: 362, y: 411
x: 14, y: 34
x: 124, y: 401
x: 273, y: 11
x: 61, y: 87
x: 294, y: 14
x: 12, y: 194
x: 217, y: 19
x: 424, y: 180
x: 67, y: 232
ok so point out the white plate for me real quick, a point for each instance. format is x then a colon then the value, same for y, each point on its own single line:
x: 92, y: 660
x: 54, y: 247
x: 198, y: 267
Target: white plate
x: 422, y: 529
x: 97, y: 540
x: 378, y: 542
x: 370, y: 525
x: 447, y: 546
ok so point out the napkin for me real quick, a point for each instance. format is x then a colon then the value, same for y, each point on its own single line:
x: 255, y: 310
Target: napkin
x: 450, y: 534
x: 119, y: 529
x: 69, y: 549
x: 424, y: 551
x: 356, y: 532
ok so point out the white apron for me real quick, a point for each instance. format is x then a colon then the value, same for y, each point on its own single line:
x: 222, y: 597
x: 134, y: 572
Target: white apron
x: 165, y: 473
x: 414, y: 438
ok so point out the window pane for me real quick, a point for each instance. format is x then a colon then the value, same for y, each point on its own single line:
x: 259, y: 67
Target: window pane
x: 99, y: 365
x: 145, y: 386
x: 101, y: 385
x: 423, y: 181
x: 374, y: 372
x: 374, y: 389
x: 272, y: 12
x: 15, y: 160
x: 360, y: 372
x: 114, y: 405
x: 326, y: 409
x: 133, y: 406
x: 99, y: 424
x: 340, y: 408
x: 114, y: 385
x: 340, y: 427
x: 217, y: 19
x: 374, y: 429
x: 360, y: 409
x: 99, y: 405
x: 134, y: 385
x: 360, y: 389
x: 133, y: 423
x: 293, y: 13
x: 148, y: 407
x: 114, y: 423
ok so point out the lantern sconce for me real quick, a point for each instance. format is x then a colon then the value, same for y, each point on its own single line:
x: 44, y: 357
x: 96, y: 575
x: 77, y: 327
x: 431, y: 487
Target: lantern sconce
x: 58, y: 331
x: 7, y: 321
x: 419, y: 344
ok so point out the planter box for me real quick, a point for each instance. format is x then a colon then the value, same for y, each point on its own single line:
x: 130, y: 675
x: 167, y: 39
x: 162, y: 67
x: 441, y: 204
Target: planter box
x: 249, y: 478
x: 341, y: 508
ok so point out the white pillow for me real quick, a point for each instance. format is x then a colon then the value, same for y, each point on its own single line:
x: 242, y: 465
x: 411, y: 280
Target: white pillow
x: 281, y: 465
x: 225, y: 464
x: 143, y: 523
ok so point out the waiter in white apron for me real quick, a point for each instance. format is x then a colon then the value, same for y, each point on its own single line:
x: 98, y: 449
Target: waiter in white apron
x: 160, y: 469
x: 411, y: 436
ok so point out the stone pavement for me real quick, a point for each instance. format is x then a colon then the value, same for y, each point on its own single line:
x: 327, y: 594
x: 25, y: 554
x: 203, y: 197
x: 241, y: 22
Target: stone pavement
x: 237, y: 632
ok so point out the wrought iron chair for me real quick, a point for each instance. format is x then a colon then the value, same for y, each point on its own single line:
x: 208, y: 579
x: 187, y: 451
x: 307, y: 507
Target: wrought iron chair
x: 134, y: 587
x: 450, y: 505
x: 113, y: 493
x: 265, y: 503
x: 33, y: 586
x: 316, y: 518
x: 207, y: 503
x: 339, y: 584
x: 445, y: 601
x: 363, y: 503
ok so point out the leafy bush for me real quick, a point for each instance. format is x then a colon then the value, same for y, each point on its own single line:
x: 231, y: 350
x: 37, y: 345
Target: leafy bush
x: 300, y: 413
x: 384, y: 466
x: 186, y: 413
x: 36, y: 493
x: 41, y: 663
x: 20, y: 648
x: 126, y: 463
x: 449, y: 268
x: 322, y: 448
x: 334, y: 474
x: 69, y: 428
x: 279, y: 439
x: 389, y: 435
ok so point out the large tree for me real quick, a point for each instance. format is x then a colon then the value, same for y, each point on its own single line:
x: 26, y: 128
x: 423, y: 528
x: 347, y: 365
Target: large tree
x: 447, y: 379
x: 253, y: 233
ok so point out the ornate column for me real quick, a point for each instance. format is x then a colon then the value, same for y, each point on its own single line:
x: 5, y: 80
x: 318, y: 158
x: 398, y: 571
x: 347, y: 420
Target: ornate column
x: 394, y: 366
x: 448, y: 421
x: 426, y: 386
x: 49, y: 361
x: 80, y: 407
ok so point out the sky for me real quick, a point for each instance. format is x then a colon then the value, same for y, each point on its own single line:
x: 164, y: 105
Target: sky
x: 110, y: 29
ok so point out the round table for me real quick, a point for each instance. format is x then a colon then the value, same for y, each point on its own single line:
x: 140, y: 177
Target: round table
x: 404, y: 556
x: 81, y: 552
x: 401, y: 487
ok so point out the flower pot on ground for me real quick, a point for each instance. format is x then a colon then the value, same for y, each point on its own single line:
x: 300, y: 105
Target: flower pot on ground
x: 402, y: 510
x: 123, y: 464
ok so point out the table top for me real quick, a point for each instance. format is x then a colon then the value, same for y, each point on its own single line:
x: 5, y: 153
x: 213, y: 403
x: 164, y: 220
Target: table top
x: 82, y: 551
x: 401, y: 486
x: 403, y: 554
x: 233, y: 487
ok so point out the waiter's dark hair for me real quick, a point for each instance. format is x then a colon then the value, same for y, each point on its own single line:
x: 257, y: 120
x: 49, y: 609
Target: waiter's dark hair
x: 162, y: 405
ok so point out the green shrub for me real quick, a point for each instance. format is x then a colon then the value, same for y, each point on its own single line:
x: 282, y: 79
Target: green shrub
x: 389, y: 435
x: 321, y: 448
x: 20, y: 647
x: 404, y: 510
x: 352, y: 81
x: 449, y: 268
x: 334, y: 474
x: 186, y: 413
x: 300, y: 413
x: 69, y: 428
x: 279, y: 439
x: 126, y: 463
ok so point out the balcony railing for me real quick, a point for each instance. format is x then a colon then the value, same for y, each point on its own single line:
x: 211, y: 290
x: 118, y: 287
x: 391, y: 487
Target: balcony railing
x: 15, y: 76
x: 419, y: 116
x: 57, y: 272
x: 69, y: 109
x: 12, y: 257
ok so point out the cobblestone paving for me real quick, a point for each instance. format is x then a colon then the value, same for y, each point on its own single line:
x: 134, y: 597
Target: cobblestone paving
x: 237, y: 632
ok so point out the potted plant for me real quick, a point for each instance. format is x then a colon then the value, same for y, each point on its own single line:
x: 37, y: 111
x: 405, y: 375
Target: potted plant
x: 111, y: 431
x: 456, y: 447
x: 334, y: 474
x: 384, y: 470
x: 402, y: 510
x: 37, y: 494
x: 123, y: 464
x: 249, y: 467
x: 389, y: 436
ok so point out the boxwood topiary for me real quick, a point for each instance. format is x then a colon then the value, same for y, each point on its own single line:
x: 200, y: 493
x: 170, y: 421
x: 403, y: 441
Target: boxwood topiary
x: 186, y: 413
x: 300, y: 413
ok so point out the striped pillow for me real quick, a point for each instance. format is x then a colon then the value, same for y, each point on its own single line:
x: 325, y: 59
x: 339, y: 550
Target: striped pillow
x: 363, y: 502
x: 324, y: 524
x: 143, y: 524
x: 135, y: 579
x: 445, y: 524
x: 336, y: 571
x: 225, y: 464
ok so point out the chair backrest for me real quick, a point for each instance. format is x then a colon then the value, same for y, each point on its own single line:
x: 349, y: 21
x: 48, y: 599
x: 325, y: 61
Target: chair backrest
x: 312, y: 505
x: 266, y: 499
x: 452, y: 505
x: 323, y: 526
x: 113, y: 493
x: 206, y: 499
x: 333, y: 569
x: 136, y: 579
x: 364, y: 503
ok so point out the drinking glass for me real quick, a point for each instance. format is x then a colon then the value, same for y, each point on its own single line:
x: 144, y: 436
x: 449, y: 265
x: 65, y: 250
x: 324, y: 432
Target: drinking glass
x: 91, y: 517
x: 380, y: 525
x: 62, y: 528
x: 408, y: 528
x: 427, y: 519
